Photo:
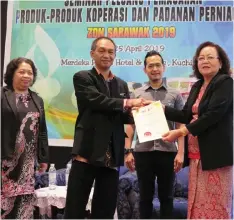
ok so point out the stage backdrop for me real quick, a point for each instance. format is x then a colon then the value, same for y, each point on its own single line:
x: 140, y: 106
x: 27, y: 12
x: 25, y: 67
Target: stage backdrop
x: 57, y: 35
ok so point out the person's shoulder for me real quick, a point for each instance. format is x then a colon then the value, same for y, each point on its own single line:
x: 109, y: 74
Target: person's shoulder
x: 223, y: 81
x: 142, y: 88
x: 174, y: 94
x: 7, y: 88
x: 173, y: 91
x: 82, y: 73
x: 36, y: 97
x: 35, y: 94
x: 139, y: 91
x: 4, y: 89
x: 197, y: 83
x: 222, y: 77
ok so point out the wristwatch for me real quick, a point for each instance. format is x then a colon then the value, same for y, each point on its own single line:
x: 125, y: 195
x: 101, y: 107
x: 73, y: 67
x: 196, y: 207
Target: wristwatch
x: 128, y: 150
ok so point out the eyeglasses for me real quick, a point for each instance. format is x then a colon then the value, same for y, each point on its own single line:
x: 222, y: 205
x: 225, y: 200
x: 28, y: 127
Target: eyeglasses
x: 208, y: 58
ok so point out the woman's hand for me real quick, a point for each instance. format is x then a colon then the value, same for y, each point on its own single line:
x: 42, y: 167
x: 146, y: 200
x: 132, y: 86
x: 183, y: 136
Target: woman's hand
x: 172, y: 135
x: 43, y: 167
x: 175, y: 134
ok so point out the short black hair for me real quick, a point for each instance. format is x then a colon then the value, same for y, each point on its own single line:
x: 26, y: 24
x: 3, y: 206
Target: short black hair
x: 223, y: 57
x: 13, y: 66
x: 94, y: 43
x: 153, y: 53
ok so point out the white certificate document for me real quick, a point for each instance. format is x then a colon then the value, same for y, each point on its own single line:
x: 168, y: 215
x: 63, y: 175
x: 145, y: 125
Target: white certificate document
x: 150, y: 122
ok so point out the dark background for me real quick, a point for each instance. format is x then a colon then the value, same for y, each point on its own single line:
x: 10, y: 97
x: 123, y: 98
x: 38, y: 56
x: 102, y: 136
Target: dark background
x: 58, y: 155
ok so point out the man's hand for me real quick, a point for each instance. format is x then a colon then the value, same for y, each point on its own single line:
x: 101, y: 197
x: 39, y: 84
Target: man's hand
x: 147, y: 102
x: 144, y: 102
x: 130, y: 162
x: 178, y: 162
x: 135, y: 103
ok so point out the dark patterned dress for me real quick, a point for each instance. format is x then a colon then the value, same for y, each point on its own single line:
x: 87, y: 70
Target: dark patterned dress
x: 17, y: 193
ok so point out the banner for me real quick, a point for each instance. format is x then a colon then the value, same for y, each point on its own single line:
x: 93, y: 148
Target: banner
x: 57, y: 36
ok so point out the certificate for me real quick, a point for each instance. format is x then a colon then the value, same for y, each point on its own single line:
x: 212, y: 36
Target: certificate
x: 150, y: 122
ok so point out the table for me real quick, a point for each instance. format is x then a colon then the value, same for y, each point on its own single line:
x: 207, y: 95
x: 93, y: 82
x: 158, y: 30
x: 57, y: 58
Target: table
x: 47, y: 198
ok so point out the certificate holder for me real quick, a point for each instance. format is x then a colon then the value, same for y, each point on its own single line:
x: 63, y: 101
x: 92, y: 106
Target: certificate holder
x: 150, y: 122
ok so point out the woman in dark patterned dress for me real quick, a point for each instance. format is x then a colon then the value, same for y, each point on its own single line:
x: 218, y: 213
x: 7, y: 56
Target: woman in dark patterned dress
x: 208, y: 115
x: 24, y: 140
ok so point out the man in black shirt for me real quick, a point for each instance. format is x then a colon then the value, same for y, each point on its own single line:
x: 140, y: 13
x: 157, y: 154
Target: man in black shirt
x: 98, y: 149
